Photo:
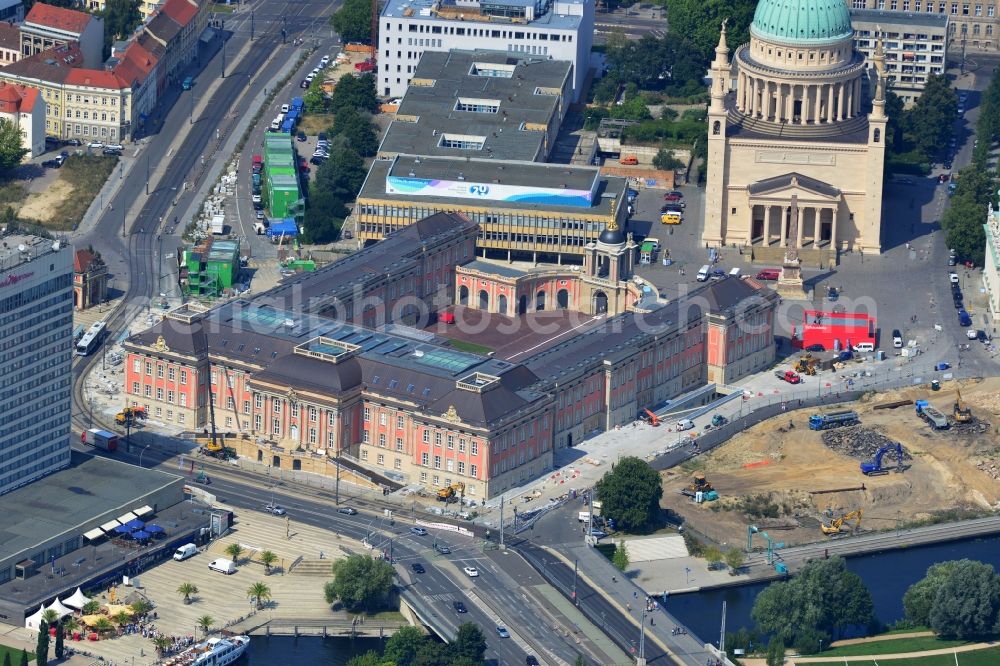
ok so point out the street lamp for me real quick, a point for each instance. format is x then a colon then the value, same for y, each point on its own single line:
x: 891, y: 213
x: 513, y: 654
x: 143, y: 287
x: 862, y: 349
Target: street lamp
x: 141, y: 452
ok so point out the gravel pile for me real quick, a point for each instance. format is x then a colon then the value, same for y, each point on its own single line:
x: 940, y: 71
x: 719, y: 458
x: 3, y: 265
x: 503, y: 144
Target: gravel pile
x: 990, y: 467
x: 858, y: 442
x: 973, y: 427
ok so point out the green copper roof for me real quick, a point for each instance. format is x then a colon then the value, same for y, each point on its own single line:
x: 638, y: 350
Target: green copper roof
x: 802, y: 20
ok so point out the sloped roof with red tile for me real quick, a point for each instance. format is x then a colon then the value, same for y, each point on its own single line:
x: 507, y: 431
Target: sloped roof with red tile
x: 29, y: 97
x: 181, y: 11
x: 81, y: 260
x: 52, y: 65
x: 95, y: 78
x: 10, y: 36
x: 140, y: 57
x: 153, y: 47
x: 58, y: 18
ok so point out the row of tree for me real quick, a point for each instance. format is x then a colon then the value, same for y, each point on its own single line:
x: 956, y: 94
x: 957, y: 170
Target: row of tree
x: 916, y: 137
x: 410, y: 647
x: 956, y: 599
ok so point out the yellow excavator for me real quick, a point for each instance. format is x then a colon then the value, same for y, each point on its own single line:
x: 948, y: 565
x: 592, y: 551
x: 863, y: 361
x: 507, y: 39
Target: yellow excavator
x: 961, y: 412
x: 835, y: 525
x: 447, y: 494
x: 130, y: 415
x: 806, y: 364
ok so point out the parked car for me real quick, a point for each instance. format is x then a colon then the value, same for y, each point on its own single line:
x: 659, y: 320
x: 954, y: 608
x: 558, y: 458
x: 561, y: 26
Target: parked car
x: 52, y: 164
x: 419, y: 531
x: 304, y: 84
x: 672, y: 196
x: 74, y: 142
x: 301, y: 136
x: 112, y: 151
x: 324, y: 61
x: 832, y: 294
x: 95, y: 144
x: 322, y: 136
x: 816, y: 348
x: 275, y: 509
x: 531, y: 660
x: 953, y: 277
x: 285, y: 108
x: 897, y: 338
x: 260, y: 214
x: 258, y: 205
x: 459, y: 607
x: 417, y: 567
x: 115, y: 146
x: 348, y: 511
x: 769, y: 274
x: 317, y: 160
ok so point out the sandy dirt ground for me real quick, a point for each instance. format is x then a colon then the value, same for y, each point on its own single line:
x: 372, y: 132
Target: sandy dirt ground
x: 949, y: 470
x: 40, y: 205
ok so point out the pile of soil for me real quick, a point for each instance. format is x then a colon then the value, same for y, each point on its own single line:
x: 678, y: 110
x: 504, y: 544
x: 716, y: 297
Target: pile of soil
x: 859, y: 442
x: 973, y: 427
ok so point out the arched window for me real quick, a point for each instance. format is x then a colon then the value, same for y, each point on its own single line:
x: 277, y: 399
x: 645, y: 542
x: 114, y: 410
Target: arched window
x: 716, y: 127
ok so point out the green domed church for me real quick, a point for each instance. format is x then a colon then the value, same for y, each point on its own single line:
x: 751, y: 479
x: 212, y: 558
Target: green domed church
x: 796, y: 145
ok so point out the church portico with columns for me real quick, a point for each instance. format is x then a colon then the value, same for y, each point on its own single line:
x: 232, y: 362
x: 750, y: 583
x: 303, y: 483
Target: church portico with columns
x: 792, y: 132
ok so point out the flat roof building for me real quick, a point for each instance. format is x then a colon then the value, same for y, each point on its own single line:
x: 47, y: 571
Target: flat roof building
x: 560, y: 30
x: 532, y: 210
x: 517, y: 118
x: 36, y: 326
x: 915, y: 45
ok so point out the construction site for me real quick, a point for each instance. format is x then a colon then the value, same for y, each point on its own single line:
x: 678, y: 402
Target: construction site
x: 914, y: 455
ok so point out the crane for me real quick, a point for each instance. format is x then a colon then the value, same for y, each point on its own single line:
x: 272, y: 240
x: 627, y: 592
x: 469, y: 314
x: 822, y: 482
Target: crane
x: 835, y: 525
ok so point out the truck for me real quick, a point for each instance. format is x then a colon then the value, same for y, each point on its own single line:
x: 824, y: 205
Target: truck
x: 298, y: 104
x: 287, y: 126
x: 218, y: 224
x: 833, y: 420
x: 257, y: 165
x: 789, y: 376
x: 934, y: 418
x: 101, y: 439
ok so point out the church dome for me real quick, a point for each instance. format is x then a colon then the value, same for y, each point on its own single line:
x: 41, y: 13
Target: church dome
x: 802, y: 21
x: 612, y: 236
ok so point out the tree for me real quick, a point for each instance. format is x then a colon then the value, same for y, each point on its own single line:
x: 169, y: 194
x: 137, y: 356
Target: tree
x: 580, y: 661
x: 620, y: 558
x: 121, y: 17
x: 712, y: 555
x: 403, y: 646
x: 469, y: 643
x: 315, y: 99
x: 268, y: 558
x: 161, y: 643
x: 11, y: 149
x: 122, y: 618
x: 187, y: 590
x: 60, y: 648
x: 259, y: 593
x: 358, y: 129
x: 205, y: 622
x: 967, y: 603
x: 735, y: 558
x: 357, y: 92
x: 823, y: 599
x: 6, y: 659
x: 630, y: 494
x: 50, y: 617
x: 42, y: 648
x: 370, y: 658
x: 234, y: 550
x: 919, y: 597
x: 93, y: 606
x: 141, y: 607
x: 24, y: 657
x: 353, y: 21
x: 103, y: 625
x: 70, y: 624
x: 775, y: 652
x: 664, y: 160
x: 359, y: 580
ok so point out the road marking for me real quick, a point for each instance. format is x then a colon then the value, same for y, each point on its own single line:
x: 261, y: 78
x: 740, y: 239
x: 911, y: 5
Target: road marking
x: 556, y: 337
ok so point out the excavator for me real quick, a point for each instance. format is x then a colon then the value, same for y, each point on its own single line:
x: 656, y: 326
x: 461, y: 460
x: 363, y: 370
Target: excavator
x: 654, y: 420
x: 699, y: 484
x: 835, y: 525
x: 806, y: 364
x: 447, y: 494
x: 961, y: 412
x: 130, y: 415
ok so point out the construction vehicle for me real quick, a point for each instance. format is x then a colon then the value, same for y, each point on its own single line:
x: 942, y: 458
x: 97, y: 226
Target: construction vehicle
x: 934, y: 418
x: 833, y: 420
x: 834, y: 526
x: 719, y: 420
x: 806, y: 364
x: 130, y: 415
x: 961, y: 412
x: 701, y: 485
x: 653, y: 419
x: 447, y: 494
x: 218, y: 449
x: 789, y: 376
x: 874, y: 468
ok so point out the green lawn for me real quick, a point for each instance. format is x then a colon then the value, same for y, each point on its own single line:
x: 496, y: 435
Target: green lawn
x: 87, y: 175
x: 891, y: 646
x: 15, y: 655
x: 221, y: 8
x: 471, y: 347
x: 986, y: 657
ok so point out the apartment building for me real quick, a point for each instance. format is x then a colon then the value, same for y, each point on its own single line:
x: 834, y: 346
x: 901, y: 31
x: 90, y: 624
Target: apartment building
x: 972, y: 24
x: 915, y: 45
x: 46, y: 26
x: 556, y: 29
x: 98, y: 105
x: 10, y: 43
x: 25, y: 107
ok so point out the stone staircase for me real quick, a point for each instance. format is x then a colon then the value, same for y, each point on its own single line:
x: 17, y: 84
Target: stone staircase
x: 821, y: 257
x: 313, y: 568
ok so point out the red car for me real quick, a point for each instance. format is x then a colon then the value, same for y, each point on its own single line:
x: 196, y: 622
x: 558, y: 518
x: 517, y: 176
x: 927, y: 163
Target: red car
x: 673, y: 196
x: 943, y: 178
x: 304, y: 166
x: 769, y: 274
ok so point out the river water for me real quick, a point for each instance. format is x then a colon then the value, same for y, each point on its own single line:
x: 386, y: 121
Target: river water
x: 887, y: 575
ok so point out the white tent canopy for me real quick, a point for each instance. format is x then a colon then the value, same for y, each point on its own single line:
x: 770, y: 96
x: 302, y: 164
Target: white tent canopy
x: 76, y: 600
x: 58, y: 607
x: 34, y: 621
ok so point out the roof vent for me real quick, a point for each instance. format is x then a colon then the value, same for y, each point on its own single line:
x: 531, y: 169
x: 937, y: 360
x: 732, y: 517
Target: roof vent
x: 418, y: 353
x: 289, y: 323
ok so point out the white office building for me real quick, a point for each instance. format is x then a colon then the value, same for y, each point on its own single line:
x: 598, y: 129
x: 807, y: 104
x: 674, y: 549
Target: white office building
x: 559, y: 29
x: 36, y: 350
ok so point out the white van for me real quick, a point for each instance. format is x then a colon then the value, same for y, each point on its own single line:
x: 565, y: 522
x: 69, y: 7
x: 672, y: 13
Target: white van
x: 222, y: 565
x: 186, y: 551
x: 864, y: 347
x: 583, y: 516
x: 703, y: 273
x: 684, y: 424
x: 735, y: 272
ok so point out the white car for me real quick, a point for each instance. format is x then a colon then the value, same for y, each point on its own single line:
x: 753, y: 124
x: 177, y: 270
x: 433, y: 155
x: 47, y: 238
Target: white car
x: 285, y: 108
x: 324, y: 61
x: 953, y: 277
x: 115, y: 146
x: 95, y: 144
x: 471, y: 572
x: 256, y: 198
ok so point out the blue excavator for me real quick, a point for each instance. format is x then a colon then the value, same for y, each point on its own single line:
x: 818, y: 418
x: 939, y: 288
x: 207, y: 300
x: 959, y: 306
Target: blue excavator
x: 875, y: 468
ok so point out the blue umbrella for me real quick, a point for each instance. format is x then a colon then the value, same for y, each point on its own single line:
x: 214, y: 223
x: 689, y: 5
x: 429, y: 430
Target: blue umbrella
x: 123, y: 529
x: 135, y: 524
x: 141, y: 535
x: 154, y: 529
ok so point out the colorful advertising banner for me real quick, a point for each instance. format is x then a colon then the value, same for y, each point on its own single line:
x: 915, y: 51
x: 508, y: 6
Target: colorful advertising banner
x: 463, y: 189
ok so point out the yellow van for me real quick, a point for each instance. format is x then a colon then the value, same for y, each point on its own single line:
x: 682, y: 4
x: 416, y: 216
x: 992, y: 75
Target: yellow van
x: 670, y: 218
